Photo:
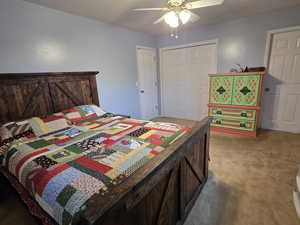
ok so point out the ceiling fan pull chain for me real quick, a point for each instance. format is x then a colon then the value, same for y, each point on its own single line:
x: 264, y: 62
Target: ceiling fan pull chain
x: 172, y: 33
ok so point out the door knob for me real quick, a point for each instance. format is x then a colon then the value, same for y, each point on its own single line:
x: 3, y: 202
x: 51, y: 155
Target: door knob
x: 267, y: 89
x: 142, y: 91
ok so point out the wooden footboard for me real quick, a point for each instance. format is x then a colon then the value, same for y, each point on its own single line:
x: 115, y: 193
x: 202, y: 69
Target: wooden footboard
x: 164, y: 192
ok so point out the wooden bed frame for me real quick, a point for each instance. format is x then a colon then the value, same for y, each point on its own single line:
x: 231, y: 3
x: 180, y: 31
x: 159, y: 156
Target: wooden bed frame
x: 161, y: 193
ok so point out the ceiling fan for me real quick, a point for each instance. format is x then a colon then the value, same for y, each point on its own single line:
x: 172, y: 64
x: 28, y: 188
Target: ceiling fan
x: 178, y: 11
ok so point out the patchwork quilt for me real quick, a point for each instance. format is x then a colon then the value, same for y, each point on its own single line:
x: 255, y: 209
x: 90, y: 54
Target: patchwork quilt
x: 66, y: 169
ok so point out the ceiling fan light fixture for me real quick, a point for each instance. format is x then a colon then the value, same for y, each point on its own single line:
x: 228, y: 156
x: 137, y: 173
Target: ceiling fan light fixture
x: 171, y: 19
x: 184, y: 16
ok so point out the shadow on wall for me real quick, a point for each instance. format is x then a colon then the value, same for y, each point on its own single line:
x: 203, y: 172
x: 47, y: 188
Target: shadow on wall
x: 216, y: 204
x: 271, y: 91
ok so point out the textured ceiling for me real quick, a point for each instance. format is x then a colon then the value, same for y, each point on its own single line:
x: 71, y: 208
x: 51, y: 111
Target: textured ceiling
x: 119, y: 12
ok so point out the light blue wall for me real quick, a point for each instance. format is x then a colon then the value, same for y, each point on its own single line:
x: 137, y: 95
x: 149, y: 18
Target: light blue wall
x: 240, y: 41
x: 36, y: 39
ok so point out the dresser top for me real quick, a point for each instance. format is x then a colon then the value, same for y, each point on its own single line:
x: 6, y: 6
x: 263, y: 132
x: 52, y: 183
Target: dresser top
x: 237, y: 74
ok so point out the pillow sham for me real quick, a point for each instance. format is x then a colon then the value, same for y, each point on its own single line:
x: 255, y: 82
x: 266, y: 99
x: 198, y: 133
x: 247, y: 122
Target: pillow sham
x: 49, y: 124
x: 13, y: 131
x: 83, y: 112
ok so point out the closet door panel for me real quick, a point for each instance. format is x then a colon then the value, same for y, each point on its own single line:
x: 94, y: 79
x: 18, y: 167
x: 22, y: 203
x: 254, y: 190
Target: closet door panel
x: 174, y: 83
x: 184, y: 81
x: 201, y: 61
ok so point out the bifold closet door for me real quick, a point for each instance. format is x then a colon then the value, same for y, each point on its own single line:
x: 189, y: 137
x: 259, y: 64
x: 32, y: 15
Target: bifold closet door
x: 184, y: 81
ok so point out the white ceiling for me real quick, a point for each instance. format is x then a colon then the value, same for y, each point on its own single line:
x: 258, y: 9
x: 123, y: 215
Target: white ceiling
x: 119, y: 12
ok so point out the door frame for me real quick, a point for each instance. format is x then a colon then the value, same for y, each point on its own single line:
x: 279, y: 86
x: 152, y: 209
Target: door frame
x: 138, y: 76
x: 206, y: 42
x: 270, y: 35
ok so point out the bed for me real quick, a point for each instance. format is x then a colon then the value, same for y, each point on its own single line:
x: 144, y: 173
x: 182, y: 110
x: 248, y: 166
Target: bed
x: 158, y: 186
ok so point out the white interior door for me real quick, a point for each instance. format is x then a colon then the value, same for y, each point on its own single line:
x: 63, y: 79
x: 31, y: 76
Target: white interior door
x: 147, y: 82
x: 184, y: 80
x: 282, y: 101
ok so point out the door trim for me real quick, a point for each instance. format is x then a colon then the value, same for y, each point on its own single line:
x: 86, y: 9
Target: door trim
x: 270, y: 35
x: 206, y: 42
x: 138, y: 76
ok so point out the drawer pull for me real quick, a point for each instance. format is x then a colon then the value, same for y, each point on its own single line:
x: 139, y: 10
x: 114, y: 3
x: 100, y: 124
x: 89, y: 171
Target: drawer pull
x: 244, y: 114
x: 243, y: 125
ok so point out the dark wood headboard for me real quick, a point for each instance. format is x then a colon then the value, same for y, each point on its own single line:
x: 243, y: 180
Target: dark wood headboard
x: 24, y: 95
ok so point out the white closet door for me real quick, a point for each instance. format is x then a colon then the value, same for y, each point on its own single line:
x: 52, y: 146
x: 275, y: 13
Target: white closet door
x: 282, y: 102
x: 174, y: 102
x: 184, y: 81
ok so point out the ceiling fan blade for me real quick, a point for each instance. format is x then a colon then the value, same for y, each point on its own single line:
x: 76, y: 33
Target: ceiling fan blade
x: 194, y: 17
x: 161, y: 19
x: 151, y: 9
x: 203, y: 3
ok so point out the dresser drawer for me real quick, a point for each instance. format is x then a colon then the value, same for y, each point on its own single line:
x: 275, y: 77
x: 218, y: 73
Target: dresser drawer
x: 244, y: 125
x: 229, y: 113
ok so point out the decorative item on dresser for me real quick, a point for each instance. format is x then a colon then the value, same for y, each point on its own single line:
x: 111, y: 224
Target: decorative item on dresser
x: 235, y: 102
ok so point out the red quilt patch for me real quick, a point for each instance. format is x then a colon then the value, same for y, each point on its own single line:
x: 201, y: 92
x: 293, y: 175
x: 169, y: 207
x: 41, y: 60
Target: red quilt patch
x: 94, y: 165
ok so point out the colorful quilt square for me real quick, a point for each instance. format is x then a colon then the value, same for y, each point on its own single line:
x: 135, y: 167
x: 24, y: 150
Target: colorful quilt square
x: 92, y: 164
x: 92, y: 172
x: 128, y: 166
x: 45, y: 162
x: 113, y: 174
x: 129, y: 143
x: 61, y: 155
x: 87, y: 184
x: 75, y: 149
x: 58, y: 183
x: 72, y: 132
x: 112, y: 158
x: 139, y: 132
x: 40, y: 143
x: 99, y: 153
x: 89, y: 143
x: 75, y: 202
x: 65, y: 195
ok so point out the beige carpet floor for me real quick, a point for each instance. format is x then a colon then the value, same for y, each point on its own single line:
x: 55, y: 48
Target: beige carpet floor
x: 250, y: 183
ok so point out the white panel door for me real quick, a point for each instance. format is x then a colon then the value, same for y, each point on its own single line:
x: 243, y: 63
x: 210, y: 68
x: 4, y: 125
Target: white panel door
x: 282, y: 101
x: 147, y: 82
x: 184, y: 81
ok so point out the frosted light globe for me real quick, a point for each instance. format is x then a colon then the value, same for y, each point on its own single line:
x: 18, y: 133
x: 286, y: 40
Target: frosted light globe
x: 171, y: 18
x: 184, y: 16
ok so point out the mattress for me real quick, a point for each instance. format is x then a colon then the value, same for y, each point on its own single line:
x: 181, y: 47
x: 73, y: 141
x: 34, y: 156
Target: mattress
x: 65, y: 170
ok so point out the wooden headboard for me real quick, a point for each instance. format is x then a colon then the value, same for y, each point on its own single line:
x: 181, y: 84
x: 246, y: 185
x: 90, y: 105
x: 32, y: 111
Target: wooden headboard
x: 24, y: 95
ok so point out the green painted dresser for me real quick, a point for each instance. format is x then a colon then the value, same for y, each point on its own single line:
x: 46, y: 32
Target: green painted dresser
x: 235, y: 102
